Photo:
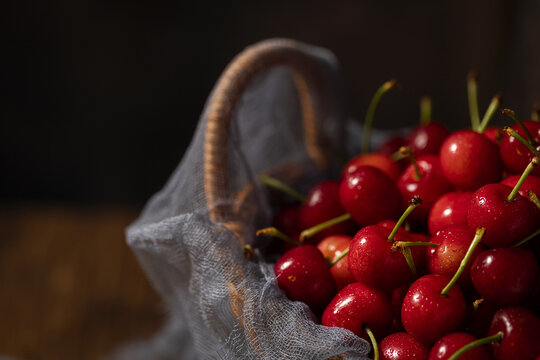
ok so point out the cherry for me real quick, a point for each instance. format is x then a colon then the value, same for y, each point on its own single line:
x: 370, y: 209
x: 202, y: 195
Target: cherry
x: 287, y: 220
x: 520, y: 329
x: 494, y: 133
x: 450, y: 209
x: 469, y: 160
x: 322, y: 204
x: 426, y: 314
x: 425, y: 179
x: 505, y: 276
x: 332, y: 247
x: 303, y: 274
x: 449, y: 344
x: 397, y: 300
x: 369, y: 196
x: 515, y: 155
x: 357, y: 306
x: 479, y: 315
x: 445, y: 259
x: 402, y: 346
x: 382, y: 162
x: 427, y: 139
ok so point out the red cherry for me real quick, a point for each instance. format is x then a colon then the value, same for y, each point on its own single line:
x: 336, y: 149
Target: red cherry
x: 494, y: 133
x: 445, y: 259
x: 382, y: 162
x: 397, y: 300
x: 506, y: 276
x: 449, y: 344
x: 427, y: 139
x: 303, y: 274
x: 506, y: 222
x: 514, y: 154
x: 470, y: 160
x: 357, y: 306
x: 426, y: 314
x: 369, y: 196
x: 402, y: 346
x: 430, y: 186
x: 332, y: 247
x: 287, y: 220
x: 521, y: 330
x: 450, y: 209
x: 531, y: 183
x: 322, y: 204
x: 479, y: 317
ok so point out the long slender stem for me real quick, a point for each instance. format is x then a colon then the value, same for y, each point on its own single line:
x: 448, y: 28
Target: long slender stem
x: 370, y: 114
x: 406, y: 151
x: 413, y: 203
x: 509, y: 131
x: 324, y: 225
x: 373, y: 342
x: 279, y: 185
x: 477, y: 238
x: 487, y: 340
x: 535, y: 161
x: 534, y: 198
x: 406, y: 251
x: 492, y: 108
x: 403, y: 244
x: 472, y: 90
x: 341, y: 256
x: 425, y: 110
x: 532, y: 236
x: 512, y: 115
x: 272, y: 231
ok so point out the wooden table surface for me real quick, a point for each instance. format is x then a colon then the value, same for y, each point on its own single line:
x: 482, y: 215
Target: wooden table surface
x: 70, y: 288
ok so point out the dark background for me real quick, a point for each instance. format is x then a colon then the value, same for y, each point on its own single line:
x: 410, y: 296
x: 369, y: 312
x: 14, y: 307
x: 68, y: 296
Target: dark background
x: 100, y: 98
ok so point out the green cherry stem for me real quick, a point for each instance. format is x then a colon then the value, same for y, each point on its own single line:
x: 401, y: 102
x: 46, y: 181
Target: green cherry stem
x: 492, y: 108
x: 413, y: 203
x: 532, y: 236
x: 425, y: 110
x: 406, y: 251
x: 272, y: 231
x: 404, y: 244
x: 406, y: 152
x: 324, y: 225
x: 373, y: 342
x: 509, y: 131
x: 279, y: 185
x: 480, y: 231
x: 534, y: 198
x: 341, y: 256
x: 483, y: 341
x: 472, y: 90
x: 534, y: 162
x: 512, y: 115
x: 370, y: 114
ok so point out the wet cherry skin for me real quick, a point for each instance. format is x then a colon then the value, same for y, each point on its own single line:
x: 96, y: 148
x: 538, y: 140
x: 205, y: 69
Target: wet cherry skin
x: 450, y: 209
x: 402, y: 346
x: 382, y: 162
x: 514, y: 154
x: 449, y: 344
x: 427, y: 139
x: 332, y: 247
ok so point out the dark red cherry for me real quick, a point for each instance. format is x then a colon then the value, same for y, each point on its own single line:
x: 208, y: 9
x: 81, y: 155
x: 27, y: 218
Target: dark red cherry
x: 303, y: 274
x: 514, y: 154
x: 505, y: 276
x: 449, y: 344
x: 430, y: 186
x: 356, y: 306
x: 402, y: 346
x: 450, y: 209
x: 531, y: 183
x: 521, y: 331
x: 369, y: 196
x: 454, y: 241
x: 494, y: 133
x: 506, y: 222
x: 322, y: 204
x: 332, y: 247
x: 470, y: 160
x: 426, y: 314
x: 479, y: 318
x: 382, y: 162
x: 427, y: 139
x: 397, y: 301
x: 287, y: 220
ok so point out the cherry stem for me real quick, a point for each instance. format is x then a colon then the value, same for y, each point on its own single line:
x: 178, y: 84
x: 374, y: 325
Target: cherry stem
x: 272, y: 231
x: 480, y: 231
x: 534, y: 198
x: 341, y: 256
x: 279, y: 185
x: 476, y: 303
x: 397, y: 156
x: 509, y: 131
x: 472, y: 90
x: 324, y: 225
x: 370, y: 114
x: 492, y: 108
x: 404, y: 244
x: 535, y: 161
x: 535, y: 114
x: 373, y: 342
x: 532, y: 236
x: 512, y: 115
x: 483, y: 341
x: 406, y: 251
x: 413, y: 203
x: 406, y: 151
x: 425, y: 110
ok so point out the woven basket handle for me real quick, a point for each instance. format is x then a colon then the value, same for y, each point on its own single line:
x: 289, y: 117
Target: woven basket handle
x: 232, y: 83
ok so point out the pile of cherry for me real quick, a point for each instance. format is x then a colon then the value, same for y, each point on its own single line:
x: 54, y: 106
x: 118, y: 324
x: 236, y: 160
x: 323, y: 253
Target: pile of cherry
x: 428, y: 247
